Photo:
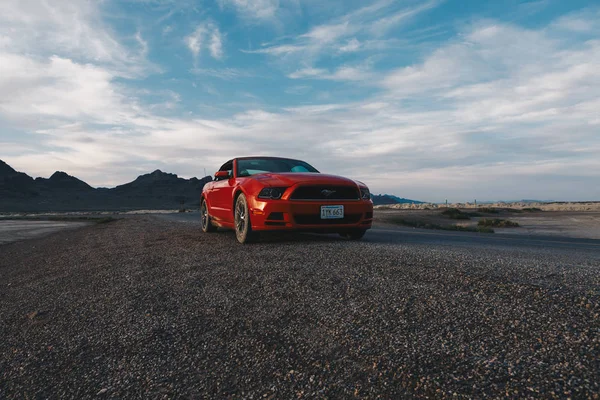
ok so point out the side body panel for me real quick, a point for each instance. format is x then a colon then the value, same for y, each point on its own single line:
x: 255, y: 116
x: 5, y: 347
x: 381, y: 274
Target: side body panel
x: 221, y: 195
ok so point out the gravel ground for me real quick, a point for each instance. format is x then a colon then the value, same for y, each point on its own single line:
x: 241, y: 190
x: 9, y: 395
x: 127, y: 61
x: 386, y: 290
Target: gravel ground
x: 12, y: 231
x: 147, y: 308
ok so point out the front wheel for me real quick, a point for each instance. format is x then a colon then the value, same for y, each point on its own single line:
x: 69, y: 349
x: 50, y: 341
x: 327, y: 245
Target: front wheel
x: 355, y: 234
x: 205, y: 220
x: 243, y: 227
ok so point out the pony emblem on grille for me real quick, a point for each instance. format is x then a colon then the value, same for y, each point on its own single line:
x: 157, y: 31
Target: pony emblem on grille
x: 327, y: 192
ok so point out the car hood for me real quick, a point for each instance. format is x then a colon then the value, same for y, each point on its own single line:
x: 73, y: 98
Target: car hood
x: 293, y: 178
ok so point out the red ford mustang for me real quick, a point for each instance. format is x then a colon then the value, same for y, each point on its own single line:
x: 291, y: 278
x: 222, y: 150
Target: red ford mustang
x: 254, y: 194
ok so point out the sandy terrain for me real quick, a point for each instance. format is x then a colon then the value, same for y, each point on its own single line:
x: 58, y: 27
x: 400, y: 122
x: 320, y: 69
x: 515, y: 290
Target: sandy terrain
x: 558, y: 223
x: 574, y: 224
x: 557, y: 206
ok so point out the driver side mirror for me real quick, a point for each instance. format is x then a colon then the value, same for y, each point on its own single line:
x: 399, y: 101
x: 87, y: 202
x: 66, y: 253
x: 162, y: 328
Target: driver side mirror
x: 221, y: 175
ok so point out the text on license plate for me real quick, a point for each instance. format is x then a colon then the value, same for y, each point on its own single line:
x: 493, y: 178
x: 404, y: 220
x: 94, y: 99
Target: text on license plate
x: 332, y: 212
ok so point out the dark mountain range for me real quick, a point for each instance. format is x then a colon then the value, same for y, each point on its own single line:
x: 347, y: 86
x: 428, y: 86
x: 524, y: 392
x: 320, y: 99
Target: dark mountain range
x: 62, y: 192
x: 6, y: 170
x: 386, y: 199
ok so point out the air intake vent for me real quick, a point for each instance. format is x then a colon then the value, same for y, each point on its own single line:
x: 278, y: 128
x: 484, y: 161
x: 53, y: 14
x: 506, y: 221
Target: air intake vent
x: 276, y: 216
x: 316, y: 220
x: 325, y: 193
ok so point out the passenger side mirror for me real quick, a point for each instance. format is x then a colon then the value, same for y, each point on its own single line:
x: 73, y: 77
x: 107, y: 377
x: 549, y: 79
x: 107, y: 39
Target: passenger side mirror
x: 221, y: 175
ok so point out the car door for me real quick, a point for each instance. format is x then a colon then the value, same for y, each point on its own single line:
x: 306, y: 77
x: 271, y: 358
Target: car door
x: 221, y: 195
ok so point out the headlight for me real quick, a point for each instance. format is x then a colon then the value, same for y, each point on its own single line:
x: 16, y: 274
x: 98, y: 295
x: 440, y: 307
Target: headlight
x: 271, y: 193
x: 365, y: 194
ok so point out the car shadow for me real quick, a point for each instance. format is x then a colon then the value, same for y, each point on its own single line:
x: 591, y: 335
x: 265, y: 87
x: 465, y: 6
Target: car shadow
x: 288, y: 237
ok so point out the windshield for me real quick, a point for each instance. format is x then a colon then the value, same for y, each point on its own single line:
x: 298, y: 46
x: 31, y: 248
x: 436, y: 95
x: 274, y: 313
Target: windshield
x: 253, y: 166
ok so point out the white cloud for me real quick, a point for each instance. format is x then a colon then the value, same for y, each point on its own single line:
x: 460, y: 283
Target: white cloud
x: 206, y: 32
x: 342, y: 34
x: 59, y: 89
x: 64, y: 27
x: 351, y: 73
x: 351, y: 46
x: 277, y: 50
x: 143, y: 44
x: 194, y: 41
x: 307, y: 73
x: 343, y: 73
x: 391, y: 21
x: 325, y: 34
x: 216, y: 44
x: 582, y: 22
x: 249, y: 9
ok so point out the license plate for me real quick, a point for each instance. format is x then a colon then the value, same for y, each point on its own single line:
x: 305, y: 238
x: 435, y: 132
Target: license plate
x: 332, y: 212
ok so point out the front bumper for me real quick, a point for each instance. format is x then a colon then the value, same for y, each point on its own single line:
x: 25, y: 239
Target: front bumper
x: 274, y: 215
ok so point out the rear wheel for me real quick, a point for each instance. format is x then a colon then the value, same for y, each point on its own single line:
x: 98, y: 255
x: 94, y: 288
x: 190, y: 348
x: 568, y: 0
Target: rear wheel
x: 205, y: 220
x: 355, y: 234
x: 243, y: 227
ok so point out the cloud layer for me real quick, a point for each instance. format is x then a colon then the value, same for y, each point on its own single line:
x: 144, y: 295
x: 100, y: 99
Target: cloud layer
x: 497, y: 110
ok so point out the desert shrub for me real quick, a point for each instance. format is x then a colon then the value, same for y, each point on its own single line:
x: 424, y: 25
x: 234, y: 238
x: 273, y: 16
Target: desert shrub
x: 455, y: 213
x: 104, y: 220
x: 488, y: 210
x: 497, y: 223
x: 532, y: 209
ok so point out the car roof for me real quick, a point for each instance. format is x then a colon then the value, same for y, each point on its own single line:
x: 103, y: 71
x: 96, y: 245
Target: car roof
x: 267, y: 157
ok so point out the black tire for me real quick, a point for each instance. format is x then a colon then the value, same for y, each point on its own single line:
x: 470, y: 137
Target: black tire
x: 355, y: 234
x: 205, y: 220
x: 241, y: 221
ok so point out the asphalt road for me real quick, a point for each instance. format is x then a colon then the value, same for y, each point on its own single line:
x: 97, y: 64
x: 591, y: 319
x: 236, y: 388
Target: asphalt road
x: 401, y: 235
x: 149, y: 307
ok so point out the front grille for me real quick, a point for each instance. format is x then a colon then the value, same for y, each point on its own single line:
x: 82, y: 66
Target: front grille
x: 369, y: 215
x: 324, y: 192
x: 316, y: 220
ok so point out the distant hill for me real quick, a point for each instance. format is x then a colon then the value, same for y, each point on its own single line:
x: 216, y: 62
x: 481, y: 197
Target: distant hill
x: 62, y: 192
x: 515, y: 201
x: 63, y: 181
x: 385, y: 199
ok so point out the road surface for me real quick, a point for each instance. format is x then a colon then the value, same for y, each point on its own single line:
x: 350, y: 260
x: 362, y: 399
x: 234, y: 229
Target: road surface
x: 401, y: 235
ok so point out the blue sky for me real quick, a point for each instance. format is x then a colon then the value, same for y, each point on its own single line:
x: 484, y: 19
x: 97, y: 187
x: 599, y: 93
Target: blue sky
x: 424, y: 99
